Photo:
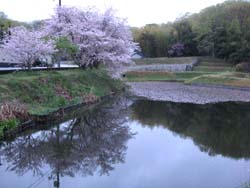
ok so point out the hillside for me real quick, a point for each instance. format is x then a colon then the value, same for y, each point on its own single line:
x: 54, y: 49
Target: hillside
x: 221, y: 31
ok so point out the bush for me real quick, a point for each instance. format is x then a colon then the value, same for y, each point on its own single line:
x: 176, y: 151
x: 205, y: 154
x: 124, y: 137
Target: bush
x: 13, y: 110
x: 8, y: 125
x: 243, y: 67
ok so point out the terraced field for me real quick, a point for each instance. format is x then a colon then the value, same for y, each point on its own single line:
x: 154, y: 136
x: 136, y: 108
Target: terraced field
x: 163, y: 60
x: 214, y: 65
x: 210, y: 71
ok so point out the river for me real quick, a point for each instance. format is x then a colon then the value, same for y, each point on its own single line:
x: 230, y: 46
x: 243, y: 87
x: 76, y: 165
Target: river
x: 134, y: 143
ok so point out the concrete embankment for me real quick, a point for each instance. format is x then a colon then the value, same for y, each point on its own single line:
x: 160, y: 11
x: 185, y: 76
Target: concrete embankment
x: 165, y: 67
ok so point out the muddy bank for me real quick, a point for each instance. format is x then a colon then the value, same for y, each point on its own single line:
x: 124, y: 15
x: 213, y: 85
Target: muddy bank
x: 178, y: 92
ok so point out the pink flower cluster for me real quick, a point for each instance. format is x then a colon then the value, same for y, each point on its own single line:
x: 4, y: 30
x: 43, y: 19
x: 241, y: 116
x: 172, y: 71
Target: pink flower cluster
x: 26, y: 46
x: 101, y: 38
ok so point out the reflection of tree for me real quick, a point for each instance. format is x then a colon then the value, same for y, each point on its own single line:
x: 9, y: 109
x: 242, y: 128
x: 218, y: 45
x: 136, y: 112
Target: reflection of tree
x: 245, y: 185
x: 215, y: 128
x: 96, y: 141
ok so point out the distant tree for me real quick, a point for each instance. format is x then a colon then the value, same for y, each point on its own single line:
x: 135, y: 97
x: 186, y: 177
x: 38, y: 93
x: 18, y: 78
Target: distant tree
x: 6, y: 24
x: 221, y: 31
x: 3, y: 15
x: 148, y: 44
x: 2, y: 33
x: 177, y: 50
x: 234, y: 41
x: 66, y: 50
x: 154, y: 40
x: 186, y: 36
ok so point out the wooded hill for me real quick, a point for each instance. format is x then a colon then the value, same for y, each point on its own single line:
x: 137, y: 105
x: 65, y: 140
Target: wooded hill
x: 221, y: 31
x: 6, y: 23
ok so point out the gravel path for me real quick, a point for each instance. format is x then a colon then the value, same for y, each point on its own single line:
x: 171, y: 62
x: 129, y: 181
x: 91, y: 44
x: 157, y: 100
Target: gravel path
x: 178, y: 92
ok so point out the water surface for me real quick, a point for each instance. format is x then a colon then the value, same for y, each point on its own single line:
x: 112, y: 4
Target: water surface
x: 134, y: 144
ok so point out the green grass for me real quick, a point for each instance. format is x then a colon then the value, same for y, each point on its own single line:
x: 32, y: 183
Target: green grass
x: 220, y: 78
x: 212, y: 60
x: 47, y: 91
x: 210, y: 68
x: 8, y: 125
x: 161, y: 76
x: 227, y: 79
x: 215, y: 64
x: 164, y: 60
x: 209, y: 64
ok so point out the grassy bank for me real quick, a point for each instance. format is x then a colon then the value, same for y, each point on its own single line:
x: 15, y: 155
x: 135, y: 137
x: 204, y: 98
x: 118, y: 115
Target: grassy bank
x: 40, y: 93
x: 136, y: 76
x: 227, y: 79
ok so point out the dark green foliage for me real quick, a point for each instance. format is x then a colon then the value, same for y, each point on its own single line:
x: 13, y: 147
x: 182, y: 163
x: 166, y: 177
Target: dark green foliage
x: 66, y: 49
x: 177, y: 50
x: 7, y: 125
x: 5, y: 24
x: 154, y: 39
x: 221, y: 31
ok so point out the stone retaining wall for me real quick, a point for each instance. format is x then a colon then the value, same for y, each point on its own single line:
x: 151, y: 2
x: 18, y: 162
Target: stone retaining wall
x: 166, y: 67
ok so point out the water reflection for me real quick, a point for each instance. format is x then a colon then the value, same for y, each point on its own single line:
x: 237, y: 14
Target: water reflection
x: 93, y: 142
x: 215, y: 128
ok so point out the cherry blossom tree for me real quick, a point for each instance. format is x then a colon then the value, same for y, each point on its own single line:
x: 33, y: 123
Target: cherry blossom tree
x: 26, y: 46
x: 101, y: 38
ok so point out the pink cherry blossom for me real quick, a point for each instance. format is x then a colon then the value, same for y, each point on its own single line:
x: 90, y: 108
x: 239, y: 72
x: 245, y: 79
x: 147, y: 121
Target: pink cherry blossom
x: 26, y: 46
x: 101, y: 38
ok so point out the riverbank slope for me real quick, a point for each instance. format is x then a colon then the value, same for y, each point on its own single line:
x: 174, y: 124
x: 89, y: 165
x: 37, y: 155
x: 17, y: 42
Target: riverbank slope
x: 42, y: 92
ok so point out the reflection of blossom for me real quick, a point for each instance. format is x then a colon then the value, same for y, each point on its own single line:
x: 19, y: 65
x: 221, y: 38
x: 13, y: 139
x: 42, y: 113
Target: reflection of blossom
x: 96, y: 141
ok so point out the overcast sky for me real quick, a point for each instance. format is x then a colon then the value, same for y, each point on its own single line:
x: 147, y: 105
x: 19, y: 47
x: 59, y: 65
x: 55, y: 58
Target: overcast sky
x: 137, y: 12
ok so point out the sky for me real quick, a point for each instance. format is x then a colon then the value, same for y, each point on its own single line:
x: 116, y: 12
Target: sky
x: 137, y: 12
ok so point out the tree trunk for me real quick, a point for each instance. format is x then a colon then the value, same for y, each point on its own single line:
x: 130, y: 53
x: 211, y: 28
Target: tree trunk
x: 59, y: 63
x: 96, y: 64
x: 29, y: 66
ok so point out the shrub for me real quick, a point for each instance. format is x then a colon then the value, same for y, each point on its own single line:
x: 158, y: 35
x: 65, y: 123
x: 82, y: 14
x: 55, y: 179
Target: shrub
x: 243, y: 67
x: 13, y: 110
x: 7, y: 125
